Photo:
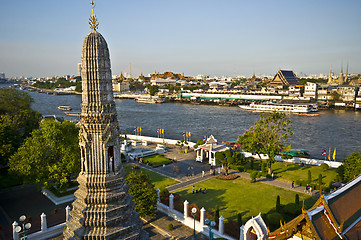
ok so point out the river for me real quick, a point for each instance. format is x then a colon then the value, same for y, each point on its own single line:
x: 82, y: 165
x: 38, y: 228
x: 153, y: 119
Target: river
x: 339, y: 129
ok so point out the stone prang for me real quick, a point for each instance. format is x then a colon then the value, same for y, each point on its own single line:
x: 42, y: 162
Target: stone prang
x: 103, y: 209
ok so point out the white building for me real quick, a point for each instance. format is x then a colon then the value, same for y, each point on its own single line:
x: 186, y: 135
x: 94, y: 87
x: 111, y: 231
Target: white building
x: 162, y: 82
x: 208, y: 150
x: 310, y: 90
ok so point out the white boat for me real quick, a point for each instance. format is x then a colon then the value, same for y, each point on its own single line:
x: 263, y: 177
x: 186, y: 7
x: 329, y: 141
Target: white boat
x: 281, y: 107
x: 64, y: 108
x: 149, y: 100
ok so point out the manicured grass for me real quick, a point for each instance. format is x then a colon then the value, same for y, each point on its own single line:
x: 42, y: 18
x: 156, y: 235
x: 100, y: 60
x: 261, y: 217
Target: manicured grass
x: 240, y: 196
x: 293, y: 172
x: 156, y: 160
x: 158, y: 180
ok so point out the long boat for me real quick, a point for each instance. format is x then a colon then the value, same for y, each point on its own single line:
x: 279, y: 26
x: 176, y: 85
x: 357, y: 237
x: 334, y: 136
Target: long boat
x: 149, y: 100
x: 64, y: 108
x: 281, y: 107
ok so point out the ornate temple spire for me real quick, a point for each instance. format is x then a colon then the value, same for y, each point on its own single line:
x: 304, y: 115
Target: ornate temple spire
x: 103, y: 209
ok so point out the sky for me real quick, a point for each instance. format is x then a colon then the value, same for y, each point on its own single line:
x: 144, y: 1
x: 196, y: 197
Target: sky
x: 211, y: 37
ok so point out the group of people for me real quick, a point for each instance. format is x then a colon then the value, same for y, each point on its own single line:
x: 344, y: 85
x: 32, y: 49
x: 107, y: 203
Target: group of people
x: 308, y: 189
x: 199, y: 190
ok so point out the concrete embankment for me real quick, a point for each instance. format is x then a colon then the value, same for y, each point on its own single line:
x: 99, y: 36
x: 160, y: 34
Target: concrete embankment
x: 295, y: 160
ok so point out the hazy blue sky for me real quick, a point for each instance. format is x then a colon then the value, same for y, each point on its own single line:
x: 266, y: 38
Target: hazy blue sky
x: 213, y: 37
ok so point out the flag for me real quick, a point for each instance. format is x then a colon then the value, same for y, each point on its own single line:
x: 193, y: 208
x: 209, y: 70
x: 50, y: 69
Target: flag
x: 204, y: 138
x: 329, y: 154
x: 135, y: 129
x: 334, y: 154
x: 158, y: 130
x: 140, y: 129
x: 162, y: 131
x: 324, y: 152
x: 189, y: 134
x: 183, y: 134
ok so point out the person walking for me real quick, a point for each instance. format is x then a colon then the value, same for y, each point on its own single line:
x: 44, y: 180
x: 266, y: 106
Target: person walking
x: 273, y: 176
x: 293, y: 185
x: 193, y: 189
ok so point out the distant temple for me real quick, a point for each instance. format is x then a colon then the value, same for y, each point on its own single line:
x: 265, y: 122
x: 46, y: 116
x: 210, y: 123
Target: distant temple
x: 284, y: 78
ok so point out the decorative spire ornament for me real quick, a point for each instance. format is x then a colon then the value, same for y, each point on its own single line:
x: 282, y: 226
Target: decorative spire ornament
x: 93, y: 21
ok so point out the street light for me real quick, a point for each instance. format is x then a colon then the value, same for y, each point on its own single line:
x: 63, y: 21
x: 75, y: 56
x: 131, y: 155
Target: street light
x: 210, y: 225
x: 194, y: 211
x: 24, y: 229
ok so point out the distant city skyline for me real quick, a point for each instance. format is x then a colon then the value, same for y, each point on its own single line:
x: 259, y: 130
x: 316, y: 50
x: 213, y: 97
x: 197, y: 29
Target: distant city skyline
x: 43, y: 38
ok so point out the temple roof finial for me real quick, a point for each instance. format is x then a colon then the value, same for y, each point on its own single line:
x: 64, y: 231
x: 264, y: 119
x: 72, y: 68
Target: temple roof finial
x: 93, y: 21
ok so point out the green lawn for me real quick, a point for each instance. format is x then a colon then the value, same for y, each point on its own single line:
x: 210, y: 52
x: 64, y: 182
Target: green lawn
x: 293, y: 172
x: 156, y: 160
x: 158, y: 180
x: 240, y: 196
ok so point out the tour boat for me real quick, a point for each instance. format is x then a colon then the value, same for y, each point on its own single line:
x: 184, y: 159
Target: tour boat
x: 281, y: 107
x: 149, y: 100
x: 64, y: 108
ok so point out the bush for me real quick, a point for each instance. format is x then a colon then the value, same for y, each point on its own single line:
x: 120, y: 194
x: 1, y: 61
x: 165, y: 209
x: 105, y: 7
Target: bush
x: 268, y: 175
x: 164, y: 193
x: 227, y: 177
x: 274, y: 218
x: 324, y: 166
x: 240, y: 168
x: 253, y: 175
x: 170, y: 227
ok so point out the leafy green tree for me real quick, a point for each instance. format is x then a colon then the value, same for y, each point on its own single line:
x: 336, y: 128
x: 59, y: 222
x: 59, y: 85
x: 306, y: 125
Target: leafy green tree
x: 351, y: 167
x: 267, y: 136
x: 13, y: 101
x: 17, y: 120
x: 153, y: 89
x: 51, y: 153
x: 143, y: 192
x: 226, y: 158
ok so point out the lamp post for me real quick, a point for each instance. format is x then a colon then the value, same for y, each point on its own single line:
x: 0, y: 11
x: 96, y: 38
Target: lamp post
x: 194, y: 211
x: 210, y: 225
x: 24, y: 229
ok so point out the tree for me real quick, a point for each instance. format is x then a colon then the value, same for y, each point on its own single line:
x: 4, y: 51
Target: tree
x: 226, y: 158
x: 143, y: 192
x: 309, y: 177
x: 267, y: 136
x: 51, y: 153
x: 153, y: 89
x: 17, y: 120
x: 351, y: 167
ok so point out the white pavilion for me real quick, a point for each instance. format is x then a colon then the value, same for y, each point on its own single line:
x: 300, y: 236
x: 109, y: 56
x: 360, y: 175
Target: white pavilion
x: 209, y: 149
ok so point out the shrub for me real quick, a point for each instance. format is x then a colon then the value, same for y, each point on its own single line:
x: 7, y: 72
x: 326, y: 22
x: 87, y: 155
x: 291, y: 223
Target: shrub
x: 164, y: 193
x: 324, y: 166
x: 227, y: 177
x: 320, y: 180
x: 253, y: 175
x: 240, y: 168
x: 170, y: 226
x: 274, y: 218
x: 268, y: 175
